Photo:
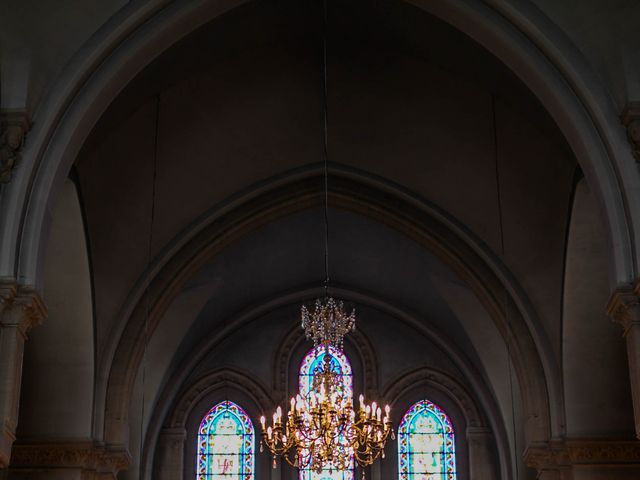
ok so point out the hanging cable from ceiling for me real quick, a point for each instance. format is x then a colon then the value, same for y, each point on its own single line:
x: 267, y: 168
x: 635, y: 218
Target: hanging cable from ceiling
x: 325, y: 141
x: 509, y: 334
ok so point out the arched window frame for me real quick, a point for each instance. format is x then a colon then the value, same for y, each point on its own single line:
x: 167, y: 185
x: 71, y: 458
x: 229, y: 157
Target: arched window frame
x: 446, y: 452
x: 312, y: 360
x: 246, y: 454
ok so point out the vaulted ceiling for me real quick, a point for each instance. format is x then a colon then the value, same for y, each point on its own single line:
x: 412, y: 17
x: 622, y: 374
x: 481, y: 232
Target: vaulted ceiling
x: 458, y: 219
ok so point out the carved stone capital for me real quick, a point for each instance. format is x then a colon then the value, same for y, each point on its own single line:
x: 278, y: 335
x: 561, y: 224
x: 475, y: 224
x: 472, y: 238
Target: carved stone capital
x: 84, y: 455
x: 624, y: 307
x: 20, y: 307
x: 14, y: 126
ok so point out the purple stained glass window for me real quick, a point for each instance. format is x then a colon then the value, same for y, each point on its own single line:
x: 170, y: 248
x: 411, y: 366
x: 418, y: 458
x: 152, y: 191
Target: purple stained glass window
x: 311, y: 364
x: 226, y: 444
x: 426, y: 444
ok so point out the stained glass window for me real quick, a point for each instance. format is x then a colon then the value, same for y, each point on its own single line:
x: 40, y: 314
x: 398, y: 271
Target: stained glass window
x: 311, y: 364
x: 226, y: 444
x: 426, y: 445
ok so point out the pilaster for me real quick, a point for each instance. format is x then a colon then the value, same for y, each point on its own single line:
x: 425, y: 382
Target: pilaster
x: 20, y: 310
x: 481, y: 463
x: 170, y: 454
x: 624, y: 309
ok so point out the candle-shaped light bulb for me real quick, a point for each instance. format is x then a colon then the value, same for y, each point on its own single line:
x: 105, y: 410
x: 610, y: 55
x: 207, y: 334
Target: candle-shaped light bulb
x: 262, y: 421
x: 279, y: 412
x: 293, y: 403
x: 275, y: 418
x: 361, y: 402
x: 379, y: 413
x: 269, y: 432
x: 368, y: 410
x: 387, y: 409
x: 374, y: 407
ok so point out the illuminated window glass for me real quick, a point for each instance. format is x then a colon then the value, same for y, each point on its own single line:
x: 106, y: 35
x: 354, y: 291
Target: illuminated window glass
x: 226, y: 444
x: 311, y: 364
x: 426, y: 446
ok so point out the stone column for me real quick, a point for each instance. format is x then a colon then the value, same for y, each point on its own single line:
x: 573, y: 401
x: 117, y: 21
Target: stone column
x: 20, y: 310
x: 169, y: 463
x: 624, y: 308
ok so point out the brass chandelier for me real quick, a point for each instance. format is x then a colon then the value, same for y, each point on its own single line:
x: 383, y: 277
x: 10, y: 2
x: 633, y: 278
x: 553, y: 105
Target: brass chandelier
x: 322, y: 430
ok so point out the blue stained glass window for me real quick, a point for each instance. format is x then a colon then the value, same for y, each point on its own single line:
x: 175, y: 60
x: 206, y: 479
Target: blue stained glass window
x: 226, y: 444
x: 426, y: 444
x: 311, y: 364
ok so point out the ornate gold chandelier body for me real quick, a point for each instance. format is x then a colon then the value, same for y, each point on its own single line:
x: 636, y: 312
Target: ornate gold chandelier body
x: 323, y: 431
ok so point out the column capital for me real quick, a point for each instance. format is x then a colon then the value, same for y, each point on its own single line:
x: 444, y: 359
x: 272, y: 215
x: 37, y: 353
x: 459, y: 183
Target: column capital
x: 624, y: 306
x: 20, y: 307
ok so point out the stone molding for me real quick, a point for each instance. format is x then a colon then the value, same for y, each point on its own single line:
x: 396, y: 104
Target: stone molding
x: 211, y: 382
x: 631, y: 120
x: 419, y: 221
x: 440, y: 381
x: 84, y: 455
x: 14, y: 125
x: 563, y: 454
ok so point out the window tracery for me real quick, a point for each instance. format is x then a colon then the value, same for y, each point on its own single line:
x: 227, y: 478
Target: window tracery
x: 226, y: 444
x: 426, y: 444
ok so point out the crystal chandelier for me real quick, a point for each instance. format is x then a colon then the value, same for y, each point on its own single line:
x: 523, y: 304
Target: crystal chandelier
x: 323, y: 431
x: 327, y: 323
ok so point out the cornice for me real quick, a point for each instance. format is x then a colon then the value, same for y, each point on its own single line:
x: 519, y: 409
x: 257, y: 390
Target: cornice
x: 561, y: 454
x: 86, y: 455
